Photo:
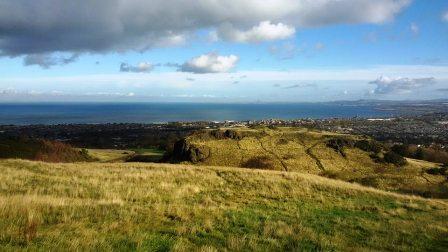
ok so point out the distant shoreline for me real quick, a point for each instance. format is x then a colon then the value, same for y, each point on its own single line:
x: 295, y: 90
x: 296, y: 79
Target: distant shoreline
x: 162, y: 113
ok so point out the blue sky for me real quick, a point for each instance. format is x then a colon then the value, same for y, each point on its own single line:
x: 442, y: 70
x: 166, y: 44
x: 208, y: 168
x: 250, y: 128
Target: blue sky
x: 397, y: 49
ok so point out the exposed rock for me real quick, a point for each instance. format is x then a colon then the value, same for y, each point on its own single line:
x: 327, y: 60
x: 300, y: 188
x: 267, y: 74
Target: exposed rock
x: 184, y: 151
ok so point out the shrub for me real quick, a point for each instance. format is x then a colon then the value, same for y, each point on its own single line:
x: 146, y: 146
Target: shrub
x: 42, y: 150
x: 260, y: 162
x: 443, y: 170
x: 429, y: 154
x: 394, y: 158
x: 402, y: 150
x: 369, y: 146
x: 338, y: 144
x: 432, y: 155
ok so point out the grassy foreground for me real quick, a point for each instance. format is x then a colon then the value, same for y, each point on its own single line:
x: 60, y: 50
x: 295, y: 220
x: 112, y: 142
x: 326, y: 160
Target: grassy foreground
x: 159, y: 207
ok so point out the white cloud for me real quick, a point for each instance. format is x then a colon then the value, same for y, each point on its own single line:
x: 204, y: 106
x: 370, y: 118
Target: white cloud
x: 142, y: 67
x: 210, y: 63
x: 103, y: 26
x: 163, y: 79
x: 264, y: 31
x: 386, y: 85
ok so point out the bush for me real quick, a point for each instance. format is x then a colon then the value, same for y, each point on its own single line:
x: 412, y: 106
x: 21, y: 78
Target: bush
x: 443, y: 170
x: 369, y: 146
x: 338, y: 144
x: 260, y: 162
x: 429, y: 154
x: 402, y: 150
x: 42, y: 150
x: 394, y: 158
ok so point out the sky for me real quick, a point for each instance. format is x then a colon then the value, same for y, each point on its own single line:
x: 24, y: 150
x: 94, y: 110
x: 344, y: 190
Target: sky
x: 223, y: 51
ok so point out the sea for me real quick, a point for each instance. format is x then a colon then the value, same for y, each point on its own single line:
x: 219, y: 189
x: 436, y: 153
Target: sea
x: 99, y: 113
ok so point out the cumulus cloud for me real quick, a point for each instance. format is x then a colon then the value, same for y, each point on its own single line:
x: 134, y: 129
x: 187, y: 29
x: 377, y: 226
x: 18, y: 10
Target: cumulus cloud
x: 445, y: 16
x: 210, y: 63
x: 264, y: 31
x: 102, y: 26
x: 386, y: 85
x: 47, y: 60
x: 142, y: 67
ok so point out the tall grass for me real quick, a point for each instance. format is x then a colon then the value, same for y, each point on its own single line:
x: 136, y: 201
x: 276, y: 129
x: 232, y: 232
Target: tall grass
x: 161, y: 207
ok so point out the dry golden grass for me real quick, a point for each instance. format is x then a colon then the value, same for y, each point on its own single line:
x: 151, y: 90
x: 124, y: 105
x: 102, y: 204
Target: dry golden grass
x: 302, y: 150
x: 110, y: 155
x: 161, y: 207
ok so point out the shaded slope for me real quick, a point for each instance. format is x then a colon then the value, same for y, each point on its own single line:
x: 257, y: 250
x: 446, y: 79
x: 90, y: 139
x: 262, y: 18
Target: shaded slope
x: 41, y: 150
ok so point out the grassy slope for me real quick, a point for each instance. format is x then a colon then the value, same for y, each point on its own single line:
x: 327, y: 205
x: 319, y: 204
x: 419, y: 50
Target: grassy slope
x: 110, y: 155
x: 101, y: 206
x: 302, y: 150
x: 41, y: 150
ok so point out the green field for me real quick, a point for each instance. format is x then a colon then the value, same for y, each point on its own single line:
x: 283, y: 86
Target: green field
x: 161, y: 207
x: 111, y: 155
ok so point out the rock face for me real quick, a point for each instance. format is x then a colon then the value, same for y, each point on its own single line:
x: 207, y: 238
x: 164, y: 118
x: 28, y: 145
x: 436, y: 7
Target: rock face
x: 184, y: 151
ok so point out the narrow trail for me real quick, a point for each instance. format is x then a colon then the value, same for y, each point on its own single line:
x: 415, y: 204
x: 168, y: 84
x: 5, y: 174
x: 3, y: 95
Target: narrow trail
x: 238, y: 144
x: 285, y: 167
x: 423, y: 176
x: 309, y: 152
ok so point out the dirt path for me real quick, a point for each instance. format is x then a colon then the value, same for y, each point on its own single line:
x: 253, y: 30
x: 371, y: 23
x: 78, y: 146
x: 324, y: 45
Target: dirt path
x: 309, y: 152
x: 285, y: 167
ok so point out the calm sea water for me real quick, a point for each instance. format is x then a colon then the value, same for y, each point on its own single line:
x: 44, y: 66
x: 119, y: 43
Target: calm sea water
x: 65, y: 113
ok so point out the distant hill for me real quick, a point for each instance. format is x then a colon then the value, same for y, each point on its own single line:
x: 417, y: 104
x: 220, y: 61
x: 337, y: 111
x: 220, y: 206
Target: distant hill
x: 163, y: 207
x: 41, y: 150
x: 347, y: 157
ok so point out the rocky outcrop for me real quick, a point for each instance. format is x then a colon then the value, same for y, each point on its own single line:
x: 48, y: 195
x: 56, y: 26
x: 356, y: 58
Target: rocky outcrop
x: 184, y: 151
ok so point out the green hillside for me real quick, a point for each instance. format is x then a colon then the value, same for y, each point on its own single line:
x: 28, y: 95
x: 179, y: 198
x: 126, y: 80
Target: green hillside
x: 161, y: 207
x: 346, y: 157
